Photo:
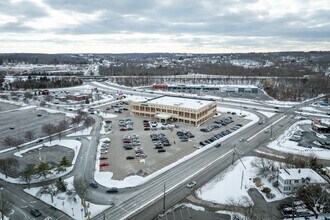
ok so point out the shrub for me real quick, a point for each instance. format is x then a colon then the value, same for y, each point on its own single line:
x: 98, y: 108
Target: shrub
x: 266, y: 190
x: 275, y: 183
x: 257, y: 181
x: 270, y: 195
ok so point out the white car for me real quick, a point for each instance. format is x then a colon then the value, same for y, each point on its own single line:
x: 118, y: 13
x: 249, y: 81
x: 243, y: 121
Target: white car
x: 191, y: 184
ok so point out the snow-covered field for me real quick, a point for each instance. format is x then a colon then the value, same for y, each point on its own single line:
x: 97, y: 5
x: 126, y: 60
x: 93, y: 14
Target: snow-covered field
x: 282, y: 143
x: 232, y: 184
x: 66, y: 203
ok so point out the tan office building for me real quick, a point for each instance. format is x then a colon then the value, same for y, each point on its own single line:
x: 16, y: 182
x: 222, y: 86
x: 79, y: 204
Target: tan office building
x: 177, y: 109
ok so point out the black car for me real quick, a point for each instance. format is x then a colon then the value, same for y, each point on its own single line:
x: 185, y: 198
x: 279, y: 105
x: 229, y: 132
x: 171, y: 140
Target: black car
x: 94, y: 184
x: 202, y: 143
x: 35, y: 212
x: 218, y: 145
x: 130, y: 158
x: 161, y: 150
x: 112, y: 190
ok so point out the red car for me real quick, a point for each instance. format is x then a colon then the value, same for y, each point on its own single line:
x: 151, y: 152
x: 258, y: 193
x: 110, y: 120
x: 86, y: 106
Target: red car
x: 122, y: 129
x: 104, y: 164
x: 103, y: 158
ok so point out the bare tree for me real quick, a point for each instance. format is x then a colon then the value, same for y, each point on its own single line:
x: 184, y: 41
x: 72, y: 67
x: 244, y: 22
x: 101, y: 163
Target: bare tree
x: 48, y: 129
x: 48, y: 98
x: 28, y: 95
x: 62, y: 126
x: 264, y: 166
x: 5, y: 206
x: 29, y: 135
x: 7, y: 164
x: 8, y: 141
x: 17, y: 143
x: 82, y: 189
x: 27, y: 174
x: 42, y: 103
x: 315, y: 197
x: 49, y: 189
x: 89, y: 121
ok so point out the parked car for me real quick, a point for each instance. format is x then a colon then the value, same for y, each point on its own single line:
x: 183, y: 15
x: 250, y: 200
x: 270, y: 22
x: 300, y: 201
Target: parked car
x: 191, y: 184
x: 161, y: 150
x: 130, y: 158
x: 112, y: 190
x: 104, y: 164
x: 35, y: 212
x: 103, y: 158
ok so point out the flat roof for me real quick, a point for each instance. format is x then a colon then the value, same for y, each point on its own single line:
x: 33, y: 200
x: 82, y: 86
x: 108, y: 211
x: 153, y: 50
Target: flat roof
x: 296, y: 174
x: 181, y: 102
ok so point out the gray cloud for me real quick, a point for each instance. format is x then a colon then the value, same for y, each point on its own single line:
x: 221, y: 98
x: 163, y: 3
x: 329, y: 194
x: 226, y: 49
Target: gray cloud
x: 26, y: 10
x: 182, y: 18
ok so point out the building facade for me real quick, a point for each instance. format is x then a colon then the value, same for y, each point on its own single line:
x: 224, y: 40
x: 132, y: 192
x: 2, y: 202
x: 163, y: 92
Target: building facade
x: 176, y: 109
x: 289, y: 180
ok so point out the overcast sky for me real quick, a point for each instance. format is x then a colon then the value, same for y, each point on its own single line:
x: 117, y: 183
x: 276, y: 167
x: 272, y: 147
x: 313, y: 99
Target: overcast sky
x: 188, y: 26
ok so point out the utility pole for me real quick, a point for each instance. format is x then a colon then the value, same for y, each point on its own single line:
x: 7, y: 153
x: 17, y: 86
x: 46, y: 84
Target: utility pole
x: 271, y: 131
x: 164, y: 200
x: 239, y: 157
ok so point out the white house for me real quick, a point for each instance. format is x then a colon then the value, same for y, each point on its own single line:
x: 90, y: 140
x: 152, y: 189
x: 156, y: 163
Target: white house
x: 290, y: 179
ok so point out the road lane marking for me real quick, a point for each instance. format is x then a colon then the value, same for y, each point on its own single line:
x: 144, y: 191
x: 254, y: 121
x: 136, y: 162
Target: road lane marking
x: 173, y: 187
x: 266, y: 128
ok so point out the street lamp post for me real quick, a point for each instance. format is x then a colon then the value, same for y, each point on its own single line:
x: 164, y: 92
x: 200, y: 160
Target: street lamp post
x: 39, y: 153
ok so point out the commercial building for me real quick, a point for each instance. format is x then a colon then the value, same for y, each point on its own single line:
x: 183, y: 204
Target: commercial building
x: 290, y: 179
x: 221, y: 88
x: 176, y: 109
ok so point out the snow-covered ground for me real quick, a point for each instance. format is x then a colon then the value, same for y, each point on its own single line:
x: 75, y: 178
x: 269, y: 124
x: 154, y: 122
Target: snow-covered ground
x: 232, y: 184
x: 86, y: 131
x: 52, y: 111
x: 282, y: 143
x: 311, y: 109
x: 66, y: 203
x: 234, y: 215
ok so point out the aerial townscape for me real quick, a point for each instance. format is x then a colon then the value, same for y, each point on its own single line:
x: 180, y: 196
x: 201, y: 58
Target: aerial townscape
x: 169, y: 110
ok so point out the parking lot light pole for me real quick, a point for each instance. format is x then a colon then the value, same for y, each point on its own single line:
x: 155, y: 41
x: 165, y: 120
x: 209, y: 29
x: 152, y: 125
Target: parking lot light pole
x: 39, y: 153
x: 164, y: 200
